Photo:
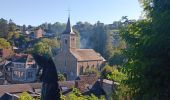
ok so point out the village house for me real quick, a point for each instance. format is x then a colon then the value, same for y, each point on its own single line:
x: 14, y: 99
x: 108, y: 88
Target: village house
x: 14, y: 91
x: 38, y: 33
x: 21, y: 69
x: 72, y: 61
x: 5, y: 53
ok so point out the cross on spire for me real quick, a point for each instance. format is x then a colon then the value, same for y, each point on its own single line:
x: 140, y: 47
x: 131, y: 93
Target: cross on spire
x: 68, y: 11
x: 69, y: 29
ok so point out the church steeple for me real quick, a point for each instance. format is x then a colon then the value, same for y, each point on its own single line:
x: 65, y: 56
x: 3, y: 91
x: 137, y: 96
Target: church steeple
x: 68, y: 38
x: 69, y: 29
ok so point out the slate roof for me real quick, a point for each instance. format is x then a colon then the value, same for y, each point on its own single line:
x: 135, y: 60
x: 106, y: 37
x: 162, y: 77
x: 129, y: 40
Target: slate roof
x: 87, y: 55
x: 22, y: 58
x: 69, y: 29
x: 14, y: 88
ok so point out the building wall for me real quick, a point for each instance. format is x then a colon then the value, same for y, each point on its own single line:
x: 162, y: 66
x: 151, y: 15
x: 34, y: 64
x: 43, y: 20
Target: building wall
x: 5, y: 52
x: 21, y: 75
x: 83, y: 65
x: 66, y: 64
x: 38, y: 33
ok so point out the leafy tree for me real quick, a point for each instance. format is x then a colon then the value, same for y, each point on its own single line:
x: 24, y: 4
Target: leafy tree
x: 77, y: 95
x: 44, y: 47
x: 3, y: 27
x: 61, y: 77
x: 26, y: 96
x: 89, y: 71
x: 53, y: 43
x: 121, y: 89
x: 4, y: 43
x: 116, y: 59
x: 106, y: 70
x: 148, y: 52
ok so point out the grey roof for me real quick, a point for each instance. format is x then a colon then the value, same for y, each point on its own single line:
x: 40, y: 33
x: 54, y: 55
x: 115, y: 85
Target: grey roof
x: 69, y: 29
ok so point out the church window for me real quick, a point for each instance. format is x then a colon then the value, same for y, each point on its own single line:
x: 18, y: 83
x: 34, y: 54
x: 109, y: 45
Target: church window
x: 65, y: 63
x: 65, y: 41
x: 81, y: 70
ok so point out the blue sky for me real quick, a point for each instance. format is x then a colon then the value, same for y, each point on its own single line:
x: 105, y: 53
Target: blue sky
x: 36, y: 12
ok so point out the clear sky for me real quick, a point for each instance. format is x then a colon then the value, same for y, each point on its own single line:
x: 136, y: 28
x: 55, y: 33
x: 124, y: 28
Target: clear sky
x: 36, y: 12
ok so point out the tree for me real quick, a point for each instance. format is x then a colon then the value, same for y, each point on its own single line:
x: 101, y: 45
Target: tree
x: 4, y: 44
x: 148, y: 52
x: 121, y: 89
x: 44, y: 46
x: 26, y: 96
x: 116, y: 59
x: 61, y: 77
x: 3, y: 27
x: 77, y: 95
x: 105, y: 71
x: 42, y: 49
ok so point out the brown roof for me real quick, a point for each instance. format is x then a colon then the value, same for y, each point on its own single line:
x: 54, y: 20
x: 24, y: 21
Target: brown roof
x: 87, y: 55
x: 35, y: 85
x: 14, y: 88
x: 84, y: 81
x: 23, y: 58
x: 68, y: 84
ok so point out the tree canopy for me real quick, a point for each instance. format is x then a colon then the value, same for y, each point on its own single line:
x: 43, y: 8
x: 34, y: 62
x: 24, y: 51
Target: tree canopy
x: 148, y: 60
x: 4, y: 44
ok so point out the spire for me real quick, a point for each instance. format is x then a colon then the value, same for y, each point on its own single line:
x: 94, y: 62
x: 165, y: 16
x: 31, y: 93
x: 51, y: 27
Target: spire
x: 69, y: 29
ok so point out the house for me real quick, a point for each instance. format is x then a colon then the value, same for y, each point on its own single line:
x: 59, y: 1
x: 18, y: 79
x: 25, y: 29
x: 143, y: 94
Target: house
x: 5, y: 53
x: 38, y: 33
x: 87, y: 84
x: 14, y: 91
x: 72, y: 61
x: 21, y: 68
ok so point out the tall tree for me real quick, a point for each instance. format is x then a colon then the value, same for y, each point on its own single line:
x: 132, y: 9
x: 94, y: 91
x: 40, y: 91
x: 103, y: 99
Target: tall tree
x: 148, y: 63
x: 3, y: 27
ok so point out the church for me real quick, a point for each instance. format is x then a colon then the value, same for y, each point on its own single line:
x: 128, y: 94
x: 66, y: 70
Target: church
x: 72, y: 61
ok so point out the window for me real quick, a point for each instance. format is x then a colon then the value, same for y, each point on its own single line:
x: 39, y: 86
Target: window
x: 65, y: 41
x: 29, y: 74
x: 81, y: 70
x: 65, y: 63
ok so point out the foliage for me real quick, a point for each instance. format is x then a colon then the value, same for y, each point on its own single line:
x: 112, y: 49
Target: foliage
x: 148, y: 52
x: 98, y: 37
x: 116, y: 59
x: 77, y: 95
x: 26, y: 96
x: 121, y: 89
x: 53, y: 43
x: 3, y: 27
x: 61, y: 77
x: 106, y: 70
x: 92, y: 70
x: 44, y: 47
x: 4, y: 43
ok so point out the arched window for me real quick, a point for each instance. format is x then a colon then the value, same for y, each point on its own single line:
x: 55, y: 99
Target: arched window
x: 81, y: 70
x: 65, y: 41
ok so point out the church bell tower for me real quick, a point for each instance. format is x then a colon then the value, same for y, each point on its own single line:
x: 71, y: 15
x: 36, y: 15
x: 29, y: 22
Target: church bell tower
x: 68, y: 38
